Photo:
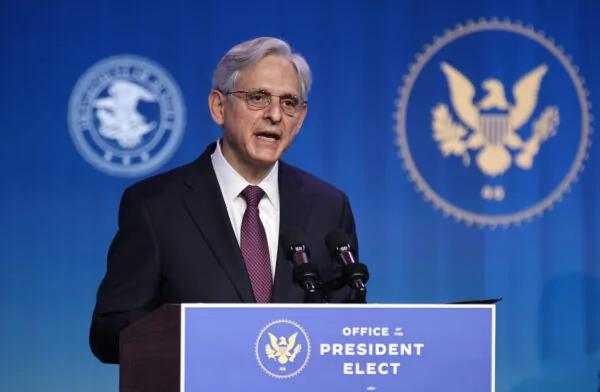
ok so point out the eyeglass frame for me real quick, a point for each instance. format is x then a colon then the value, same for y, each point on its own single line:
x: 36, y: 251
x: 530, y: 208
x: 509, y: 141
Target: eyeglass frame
x: 301, y: 102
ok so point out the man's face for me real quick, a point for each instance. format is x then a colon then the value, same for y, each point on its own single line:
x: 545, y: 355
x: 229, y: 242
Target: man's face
x: 253, y: 140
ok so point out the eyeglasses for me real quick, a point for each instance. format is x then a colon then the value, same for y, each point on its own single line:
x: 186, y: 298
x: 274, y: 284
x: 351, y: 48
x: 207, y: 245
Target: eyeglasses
x: 260, y: 99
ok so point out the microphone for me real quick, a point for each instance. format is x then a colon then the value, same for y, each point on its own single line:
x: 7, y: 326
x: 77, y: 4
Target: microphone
x: 355, y: 274
x: 305, y: 274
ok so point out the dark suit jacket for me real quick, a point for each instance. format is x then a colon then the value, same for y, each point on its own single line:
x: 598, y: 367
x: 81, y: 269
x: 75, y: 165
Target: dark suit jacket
x: 175, y: 244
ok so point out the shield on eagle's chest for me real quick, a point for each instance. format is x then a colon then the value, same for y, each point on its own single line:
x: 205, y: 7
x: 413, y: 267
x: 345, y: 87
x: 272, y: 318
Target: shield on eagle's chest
x: 494, y: 127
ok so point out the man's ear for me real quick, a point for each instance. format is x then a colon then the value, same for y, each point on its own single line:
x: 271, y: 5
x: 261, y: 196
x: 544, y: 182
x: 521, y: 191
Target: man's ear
x: 216, y: 103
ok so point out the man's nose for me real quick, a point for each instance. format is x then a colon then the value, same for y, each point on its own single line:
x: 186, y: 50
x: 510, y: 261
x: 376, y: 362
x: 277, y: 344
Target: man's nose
x: 273, y: 111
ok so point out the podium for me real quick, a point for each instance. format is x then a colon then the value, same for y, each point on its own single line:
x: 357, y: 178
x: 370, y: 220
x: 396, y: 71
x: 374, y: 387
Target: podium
x: 317, y: 347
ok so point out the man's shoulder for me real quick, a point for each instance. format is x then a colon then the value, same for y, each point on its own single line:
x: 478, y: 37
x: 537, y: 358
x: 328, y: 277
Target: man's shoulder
x: 167, y: 184
x: 175, y: 181
x: 309, y: 182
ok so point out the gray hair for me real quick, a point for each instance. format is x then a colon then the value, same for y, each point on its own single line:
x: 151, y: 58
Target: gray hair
x: 247, y: 54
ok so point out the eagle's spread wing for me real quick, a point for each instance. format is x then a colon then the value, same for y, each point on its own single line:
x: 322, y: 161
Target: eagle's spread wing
x: 273, y: 340
x: 461, y: 95
x: 525, y: 93
x: 292, y: 341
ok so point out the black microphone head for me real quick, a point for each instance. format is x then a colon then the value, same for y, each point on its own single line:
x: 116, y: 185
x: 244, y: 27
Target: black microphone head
x: 336, y: 239
x: 293, y: 240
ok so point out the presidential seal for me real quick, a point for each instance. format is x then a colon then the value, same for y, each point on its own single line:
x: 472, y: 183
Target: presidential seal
x: 282, y: 349
x: 490, y: 137
x: 126, y: 116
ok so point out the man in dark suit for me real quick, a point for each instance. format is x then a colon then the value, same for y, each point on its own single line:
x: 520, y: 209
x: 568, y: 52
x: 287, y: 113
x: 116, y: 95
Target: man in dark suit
x: 209, y: 231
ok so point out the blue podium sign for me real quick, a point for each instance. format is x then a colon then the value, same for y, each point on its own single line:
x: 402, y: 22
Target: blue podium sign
x: 337, y: 347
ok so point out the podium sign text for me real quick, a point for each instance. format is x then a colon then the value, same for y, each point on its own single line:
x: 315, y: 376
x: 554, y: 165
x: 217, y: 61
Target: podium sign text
x: 337, y: 347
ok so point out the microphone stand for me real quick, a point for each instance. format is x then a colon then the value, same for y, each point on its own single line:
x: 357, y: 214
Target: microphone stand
x: 307, y: 277
x: 356, y: 275
x: 357, y: 294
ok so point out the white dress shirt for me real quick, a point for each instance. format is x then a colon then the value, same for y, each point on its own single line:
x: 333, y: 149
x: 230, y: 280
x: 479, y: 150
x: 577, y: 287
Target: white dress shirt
x: 232, y: 184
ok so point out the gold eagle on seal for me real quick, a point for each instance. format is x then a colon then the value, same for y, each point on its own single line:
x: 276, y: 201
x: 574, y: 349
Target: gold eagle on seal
x: 282, y: 349
x: 490, y: 126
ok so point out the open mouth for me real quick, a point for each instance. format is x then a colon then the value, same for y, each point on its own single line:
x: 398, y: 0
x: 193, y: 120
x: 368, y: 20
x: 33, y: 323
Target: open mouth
x: 268, y: 136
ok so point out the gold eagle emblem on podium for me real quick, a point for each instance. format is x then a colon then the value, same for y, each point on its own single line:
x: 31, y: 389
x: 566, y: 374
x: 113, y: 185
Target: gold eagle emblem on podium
x: 282, y: 349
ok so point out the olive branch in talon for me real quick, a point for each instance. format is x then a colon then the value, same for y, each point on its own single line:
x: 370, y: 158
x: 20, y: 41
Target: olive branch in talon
x: 544, y: 127
x: 449, y: 134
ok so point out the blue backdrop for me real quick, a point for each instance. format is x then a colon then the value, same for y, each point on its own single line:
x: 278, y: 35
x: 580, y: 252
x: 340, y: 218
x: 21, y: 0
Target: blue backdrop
x: 432, y: 227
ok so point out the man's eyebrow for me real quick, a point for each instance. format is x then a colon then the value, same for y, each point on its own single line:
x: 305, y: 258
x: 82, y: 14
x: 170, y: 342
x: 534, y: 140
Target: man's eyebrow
x: 265, y: 90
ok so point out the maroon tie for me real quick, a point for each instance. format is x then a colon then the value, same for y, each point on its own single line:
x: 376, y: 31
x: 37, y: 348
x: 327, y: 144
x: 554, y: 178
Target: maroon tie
x: 255, y: 248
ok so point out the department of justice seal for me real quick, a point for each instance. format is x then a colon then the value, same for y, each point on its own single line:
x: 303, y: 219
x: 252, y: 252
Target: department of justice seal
x: 126, y: 116
x: 282, y: 349
x: 492, y: 138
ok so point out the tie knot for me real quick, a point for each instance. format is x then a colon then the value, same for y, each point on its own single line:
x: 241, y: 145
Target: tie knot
x: 253, y: 194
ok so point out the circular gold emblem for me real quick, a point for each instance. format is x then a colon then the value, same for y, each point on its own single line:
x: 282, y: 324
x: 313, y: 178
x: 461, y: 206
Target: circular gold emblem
x: 493, y: 123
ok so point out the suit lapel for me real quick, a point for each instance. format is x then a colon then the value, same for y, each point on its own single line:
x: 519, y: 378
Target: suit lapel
x: 206, y: 206
x: 294, y: 213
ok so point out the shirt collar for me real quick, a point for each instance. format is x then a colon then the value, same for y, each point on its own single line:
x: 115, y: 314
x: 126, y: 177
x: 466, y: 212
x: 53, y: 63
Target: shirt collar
x: 232, y: 183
